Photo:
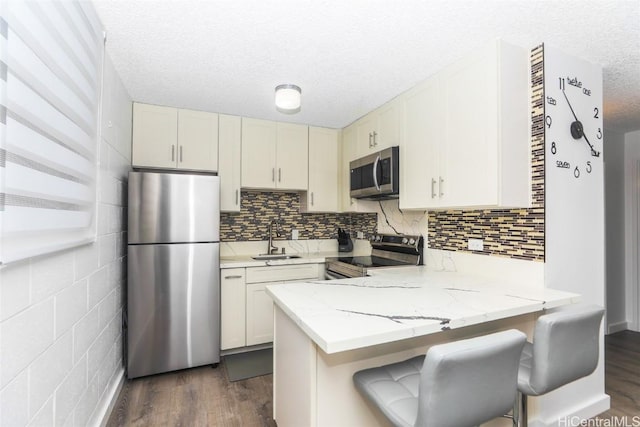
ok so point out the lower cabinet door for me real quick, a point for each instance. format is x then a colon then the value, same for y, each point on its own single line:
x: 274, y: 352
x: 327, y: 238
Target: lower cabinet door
x: 232, y: 308
x: 259, y: 314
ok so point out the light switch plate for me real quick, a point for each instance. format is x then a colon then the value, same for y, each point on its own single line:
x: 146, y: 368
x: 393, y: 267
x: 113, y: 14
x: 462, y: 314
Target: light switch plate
x: 475, y: 244
x: 294, y: 234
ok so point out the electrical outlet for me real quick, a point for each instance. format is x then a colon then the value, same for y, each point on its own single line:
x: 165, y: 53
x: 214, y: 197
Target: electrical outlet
x: 475, y: 244
x: 360, y: 235
x: 294, y: 234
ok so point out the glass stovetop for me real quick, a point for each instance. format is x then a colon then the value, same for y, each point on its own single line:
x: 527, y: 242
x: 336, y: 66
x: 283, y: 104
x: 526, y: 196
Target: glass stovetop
x: 370, y: 261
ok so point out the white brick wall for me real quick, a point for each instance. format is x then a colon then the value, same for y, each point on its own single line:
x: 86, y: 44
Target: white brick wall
x: 60, y: 315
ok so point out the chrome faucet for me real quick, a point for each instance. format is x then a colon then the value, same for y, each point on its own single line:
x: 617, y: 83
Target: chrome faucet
x: 273, y: 249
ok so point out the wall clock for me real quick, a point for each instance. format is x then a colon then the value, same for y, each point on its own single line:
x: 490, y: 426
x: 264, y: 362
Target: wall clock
x: 573, y: 115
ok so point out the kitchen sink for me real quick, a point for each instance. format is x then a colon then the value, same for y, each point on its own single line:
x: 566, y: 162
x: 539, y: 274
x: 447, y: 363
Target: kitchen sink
x: 269, y: 257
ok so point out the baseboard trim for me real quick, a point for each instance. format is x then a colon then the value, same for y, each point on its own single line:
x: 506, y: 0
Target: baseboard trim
x: 103, y: 411
x: 617, y: 327
x: 573, y: 417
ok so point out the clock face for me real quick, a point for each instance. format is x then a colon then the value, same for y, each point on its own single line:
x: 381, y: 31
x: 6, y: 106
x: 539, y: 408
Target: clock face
x: 573, y: 116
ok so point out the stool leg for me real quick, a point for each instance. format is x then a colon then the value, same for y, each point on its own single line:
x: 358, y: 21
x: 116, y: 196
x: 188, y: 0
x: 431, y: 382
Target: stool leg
x: 520, y: 411
x: 524, y: 416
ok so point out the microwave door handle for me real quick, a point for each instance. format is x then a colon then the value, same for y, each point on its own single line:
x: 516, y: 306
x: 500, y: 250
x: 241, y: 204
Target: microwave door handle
x: 375, y: 173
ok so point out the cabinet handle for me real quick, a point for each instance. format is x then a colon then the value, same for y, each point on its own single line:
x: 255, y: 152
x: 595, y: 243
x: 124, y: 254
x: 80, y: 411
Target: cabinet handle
x: 375, y: 138
x: 233, y: 277
x: 173, y: 153
x: 273, y: 174
x: 236, y: 197
x: 440, y: 187
x: 312, y: 198
x: 433, y: 188
x: 181, y: 154
x: 279, y: 175
x: 370, y: 136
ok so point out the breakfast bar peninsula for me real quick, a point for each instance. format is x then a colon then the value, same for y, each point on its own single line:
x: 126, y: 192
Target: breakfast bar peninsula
x: 324, y: 331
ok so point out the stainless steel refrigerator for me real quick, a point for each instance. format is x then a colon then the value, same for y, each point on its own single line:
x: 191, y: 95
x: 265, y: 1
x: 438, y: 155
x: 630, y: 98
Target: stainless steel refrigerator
x: 173, y: 289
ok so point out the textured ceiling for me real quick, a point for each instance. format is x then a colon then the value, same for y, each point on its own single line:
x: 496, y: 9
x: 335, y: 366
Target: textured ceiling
x: 350, y: 56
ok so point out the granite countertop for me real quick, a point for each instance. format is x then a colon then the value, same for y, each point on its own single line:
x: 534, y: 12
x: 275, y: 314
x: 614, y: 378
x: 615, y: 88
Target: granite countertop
x: 395, y: 304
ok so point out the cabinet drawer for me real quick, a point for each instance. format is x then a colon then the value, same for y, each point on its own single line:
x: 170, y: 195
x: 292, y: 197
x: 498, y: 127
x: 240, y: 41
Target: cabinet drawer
x: 232, y: 273
x: 279, y: 273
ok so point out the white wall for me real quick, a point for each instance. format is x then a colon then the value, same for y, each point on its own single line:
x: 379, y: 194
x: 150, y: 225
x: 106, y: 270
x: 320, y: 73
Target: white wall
x: 631, y: 217
x: 60, y: 314
x: 614, y: 230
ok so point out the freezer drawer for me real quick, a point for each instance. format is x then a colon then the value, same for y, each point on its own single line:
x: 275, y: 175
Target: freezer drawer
x: 173, y: 307
x: 173, y: 208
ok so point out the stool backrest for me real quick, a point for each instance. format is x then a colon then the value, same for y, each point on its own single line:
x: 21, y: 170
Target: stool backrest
x: 471, y: 381
x: 565, y: 347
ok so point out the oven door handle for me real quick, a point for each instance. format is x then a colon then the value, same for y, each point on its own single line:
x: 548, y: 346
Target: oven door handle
x: 332, y: 275
x: 375, y: 173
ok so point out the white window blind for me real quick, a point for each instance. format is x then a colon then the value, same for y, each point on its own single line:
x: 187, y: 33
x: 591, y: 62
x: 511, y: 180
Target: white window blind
x: 51, y: 58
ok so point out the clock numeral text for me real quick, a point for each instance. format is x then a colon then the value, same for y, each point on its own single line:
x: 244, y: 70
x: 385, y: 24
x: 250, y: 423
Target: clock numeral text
x: 595, y: 113
x: 586, y: 91
x: 588, y: 167
x: 548, y: 121
x: 561, y: 83
x: 599, y: 134
x: 563, y: 165
x: 576, y: 172
x: 554, y: 149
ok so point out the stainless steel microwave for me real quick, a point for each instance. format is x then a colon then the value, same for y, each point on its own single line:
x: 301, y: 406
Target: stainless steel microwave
x: 376, y: 176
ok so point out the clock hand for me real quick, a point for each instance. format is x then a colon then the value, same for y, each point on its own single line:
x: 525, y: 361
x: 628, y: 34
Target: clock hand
x: 570, y: 107
x: 594, y: 153
x: 577, y: 130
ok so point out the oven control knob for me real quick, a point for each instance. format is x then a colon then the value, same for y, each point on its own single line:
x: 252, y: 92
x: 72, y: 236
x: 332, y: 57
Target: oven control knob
x: 378, y: 238
x: 412, y: 241
x: 404, y: 240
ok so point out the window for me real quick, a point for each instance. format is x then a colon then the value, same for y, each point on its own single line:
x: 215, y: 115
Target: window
x: 51, y: 58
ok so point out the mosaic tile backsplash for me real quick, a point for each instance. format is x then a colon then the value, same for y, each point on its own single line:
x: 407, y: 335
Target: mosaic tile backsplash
x: 258, y: 209
x: 516, y: 233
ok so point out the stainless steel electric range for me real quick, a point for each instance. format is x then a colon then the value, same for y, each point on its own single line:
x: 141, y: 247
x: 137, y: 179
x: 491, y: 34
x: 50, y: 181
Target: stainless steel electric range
x: 388, y: 250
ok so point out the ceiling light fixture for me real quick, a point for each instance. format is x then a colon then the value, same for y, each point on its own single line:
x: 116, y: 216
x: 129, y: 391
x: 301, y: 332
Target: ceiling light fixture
x: 288, y: 98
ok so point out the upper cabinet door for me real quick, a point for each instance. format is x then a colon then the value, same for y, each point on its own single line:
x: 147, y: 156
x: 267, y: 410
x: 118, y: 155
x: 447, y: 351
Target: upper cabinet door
x: 365, y: 133
x: 322, y: 195
x: 387, y: 132
x: 155, y: 136
x: 292, y: 156
x: 230, y: 157
x: 421, y: 171
x: 259, y: 153
x: 197, y: 140
x: 471, y: 115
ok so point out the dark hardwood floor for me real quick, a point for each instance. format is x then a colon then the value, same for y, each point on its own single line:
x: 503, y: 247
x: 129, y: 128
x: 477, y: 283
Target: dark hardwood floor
x: 205, y: 397
x: 622, y: 375
x: 194, y: 397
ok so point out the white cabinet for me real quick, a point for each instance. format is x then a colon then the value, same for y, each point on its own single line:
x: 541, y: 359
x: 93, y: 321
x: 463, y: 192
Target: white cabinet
x: 232, y: 308
x: 260, y: 305
x: 155, y: 136
x: 422, y: 168
x: 197, y: 140
x: 171, y: 138
x: 348, y: 152
x: 246, y: 315
x: 229, y: 133
x: 466, y: 142
x: 292, y: 156
x: 259, y: 314
x: 379, y: 129
x: 274, y: 155
x: 322, y: 195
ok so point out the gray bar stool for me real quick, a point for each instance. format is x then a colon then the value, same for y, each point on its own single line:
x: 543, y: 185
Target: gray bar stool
x: 565, y: 348
x: 458, y: 384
